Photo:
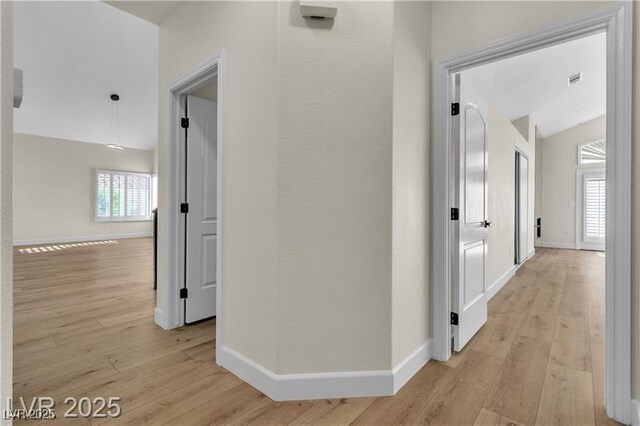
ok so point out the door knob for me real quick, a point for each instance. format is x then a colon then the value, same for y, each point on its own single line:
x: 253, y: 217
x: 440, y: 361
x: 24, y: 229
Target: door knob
x: 487, y: 224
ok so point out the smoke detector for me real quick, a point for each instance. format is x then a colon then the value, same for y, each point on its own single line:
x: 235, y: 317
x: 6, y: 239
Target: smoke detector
x: 574, y: 79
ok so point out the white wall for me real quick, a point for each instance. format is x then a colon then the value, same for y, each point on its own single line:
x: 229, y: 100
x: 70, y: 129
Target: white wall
x: 6, y: 211
x: 411, y: 313
x: 539, y: 181
x: 54, y: 188
x: 558, y: 192
x: 503, y: 138
x: 335, y: 189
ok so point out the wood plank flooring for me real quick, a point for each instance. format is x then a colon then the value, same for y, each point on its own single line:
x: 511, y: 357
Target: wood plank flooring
x: 84, y: 327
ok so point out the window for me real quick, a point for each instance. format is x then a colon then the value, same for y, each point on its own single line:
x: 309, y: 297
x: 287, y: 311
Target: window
x: 594, y: 208
x: 123, y: 196
x: 592, y: 152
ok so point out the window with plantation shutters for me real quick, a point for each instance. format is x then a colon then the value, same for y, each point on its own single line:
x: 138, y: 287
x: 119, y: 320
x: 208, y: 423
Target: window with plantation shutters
x: 594, y: 208
x: 122, y: 196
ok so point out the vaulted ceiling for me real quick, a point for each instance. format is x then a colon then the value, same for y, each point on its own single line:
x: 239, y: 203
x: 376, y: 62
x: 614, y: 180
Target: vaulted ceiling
x: 535, y: 84
x: 73, y: 55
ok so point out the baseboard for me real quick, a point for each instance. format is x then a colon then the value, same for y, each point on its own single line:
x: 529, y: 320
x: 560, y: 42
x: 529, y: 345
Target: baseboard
x: 551, y: 244
x: 161, y: 319
x: 80, y: 239
x: 635, y: 412
x: 405, y: 370
x: 531, y: 254
x: 497, y: 286
x: 353, y: 384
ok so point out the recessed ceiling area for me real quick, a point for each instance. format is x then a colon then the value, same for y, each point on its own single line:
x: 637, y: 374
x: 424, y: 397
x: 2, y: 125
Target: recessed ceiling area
x: 535, y: 84
x: 73, y: 56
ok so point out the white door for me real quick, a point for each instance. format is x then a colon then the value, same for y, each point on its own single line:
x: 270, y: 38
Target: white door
x: 469, y: 138
x: 591, y: 205
x: 201, y: 233
x: 522, y: 198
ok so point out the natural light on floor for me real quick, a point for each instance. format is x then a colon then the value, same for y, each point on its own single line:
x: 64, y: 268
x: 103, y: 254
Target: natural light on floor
x: 56, y: 247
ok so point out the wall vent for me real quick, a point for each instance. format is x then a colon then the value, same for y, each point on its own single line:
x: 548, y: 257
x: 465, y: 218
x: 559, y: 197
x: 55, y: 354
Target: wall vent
x: 571, y: 80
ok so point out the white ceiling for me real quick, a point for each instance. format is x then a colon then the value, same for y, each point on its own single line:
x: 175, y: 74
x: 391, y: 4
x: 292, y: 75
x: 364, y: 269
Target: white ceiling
x: 149, y: 10
x: 74, y: 54
x: 535, y: 84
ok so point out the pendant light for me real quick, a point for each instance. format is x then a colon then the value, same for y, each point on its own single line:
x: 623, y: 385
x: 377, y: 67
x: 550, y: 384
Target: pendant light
x: 115, y: 98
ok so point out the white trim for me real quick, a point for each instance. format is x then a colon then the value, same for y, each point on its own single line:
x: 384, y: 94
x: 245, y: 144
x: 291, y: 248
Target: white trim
x: 80, y: 239
x: 500, y: 282
x: 554, y: 244
x: 581, y: 173
x: 350, y: 384
x: 531, y: 254
x: 171, y: 265
x: 407, y: 368
x: 635, y: 412
x: 161, y: 319
x: 616, y: 20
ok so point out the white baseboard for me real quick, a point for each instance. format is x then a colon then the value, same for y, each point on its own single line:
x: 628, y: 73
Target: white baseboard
x: 292, y: 387
x: 531, y: 254
x: 161, y: 319
x: 635, y: 412
x: 497, y: 286
x: 406, y: 369
x: 551, y: 244
x: 79, y: 239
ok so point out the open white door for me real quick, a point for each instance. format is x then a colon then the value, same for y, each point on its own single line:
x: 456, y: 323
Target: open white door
x: 201, y: 192
x: 469, y: 139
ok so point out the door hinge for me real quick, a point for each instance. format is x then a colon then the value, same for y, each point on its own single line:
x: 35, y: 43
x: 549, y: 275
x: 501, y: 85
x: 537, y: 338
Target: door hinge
x: 455, y: 108
x: 184, y: 122
x: 184, y: 293
x: 455, y: 213
x: 184, y: 208
x: 454, y: 318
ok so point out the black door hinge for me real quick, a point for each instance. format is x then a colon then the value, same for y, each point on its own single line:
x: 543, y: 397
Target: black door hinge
x: 455, y: 213
x: 184, y: 293
x: 454, y: 318
x: 184, y: 123
x: 184, y: 208
x: 455, y: 108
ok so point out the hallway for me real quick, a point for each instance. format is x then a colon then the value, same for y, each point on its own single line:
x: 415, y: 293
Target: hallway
x: 84, y: 327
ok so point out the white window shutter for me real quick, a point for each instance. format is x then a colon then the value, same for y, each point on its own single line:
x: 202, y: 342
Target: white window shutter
x: 595, y: 203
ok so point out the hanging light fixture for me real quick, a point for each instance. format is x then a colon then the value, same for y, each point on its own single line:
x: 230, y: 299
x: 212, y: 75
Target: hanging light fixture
x: 114, y: 109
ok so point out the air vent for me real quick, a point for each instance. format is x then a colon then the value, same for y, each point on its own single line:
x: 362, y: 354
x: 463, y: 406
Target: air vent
x: 574, y: 79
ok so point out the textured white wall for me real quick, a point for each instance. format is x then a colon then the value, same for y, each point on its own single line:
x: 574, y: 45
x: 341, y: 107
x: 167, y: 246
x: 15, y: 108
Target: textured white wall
x: 54, y: 189
x: 335, y: 189
x: 6, y: 212
x: 411, y: 314
x: 560, y: 153
x: 503, y: 139
x: 247, y: 31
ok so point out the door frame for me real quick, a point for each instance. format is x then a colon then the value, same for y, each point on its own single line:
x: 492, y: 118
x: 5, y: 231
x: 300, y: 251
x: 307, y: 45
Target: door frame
x: 581, y: 173
x: 517, y: 208
x: 169, y: 312
x: 616, y: 21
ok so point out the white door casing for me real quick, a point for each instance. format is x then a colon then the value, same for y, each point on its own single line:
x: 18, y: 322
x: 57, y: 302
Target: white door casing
x: 469, y: 299
x: 617, y: 20
x: 201, y: 192
x: 523, y: 207
x: 584, y: 241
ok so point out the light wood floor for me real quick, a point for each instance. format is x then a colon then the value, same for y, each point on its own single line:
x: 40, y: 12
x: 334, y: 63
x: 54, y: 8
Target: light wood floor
x: 84, y: 327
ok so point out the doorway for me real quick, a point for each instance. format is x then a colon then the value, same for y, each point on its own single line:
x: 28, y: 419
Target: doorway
x: 189, y: 289
x: 521, y: 219
x: 615, y: 21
